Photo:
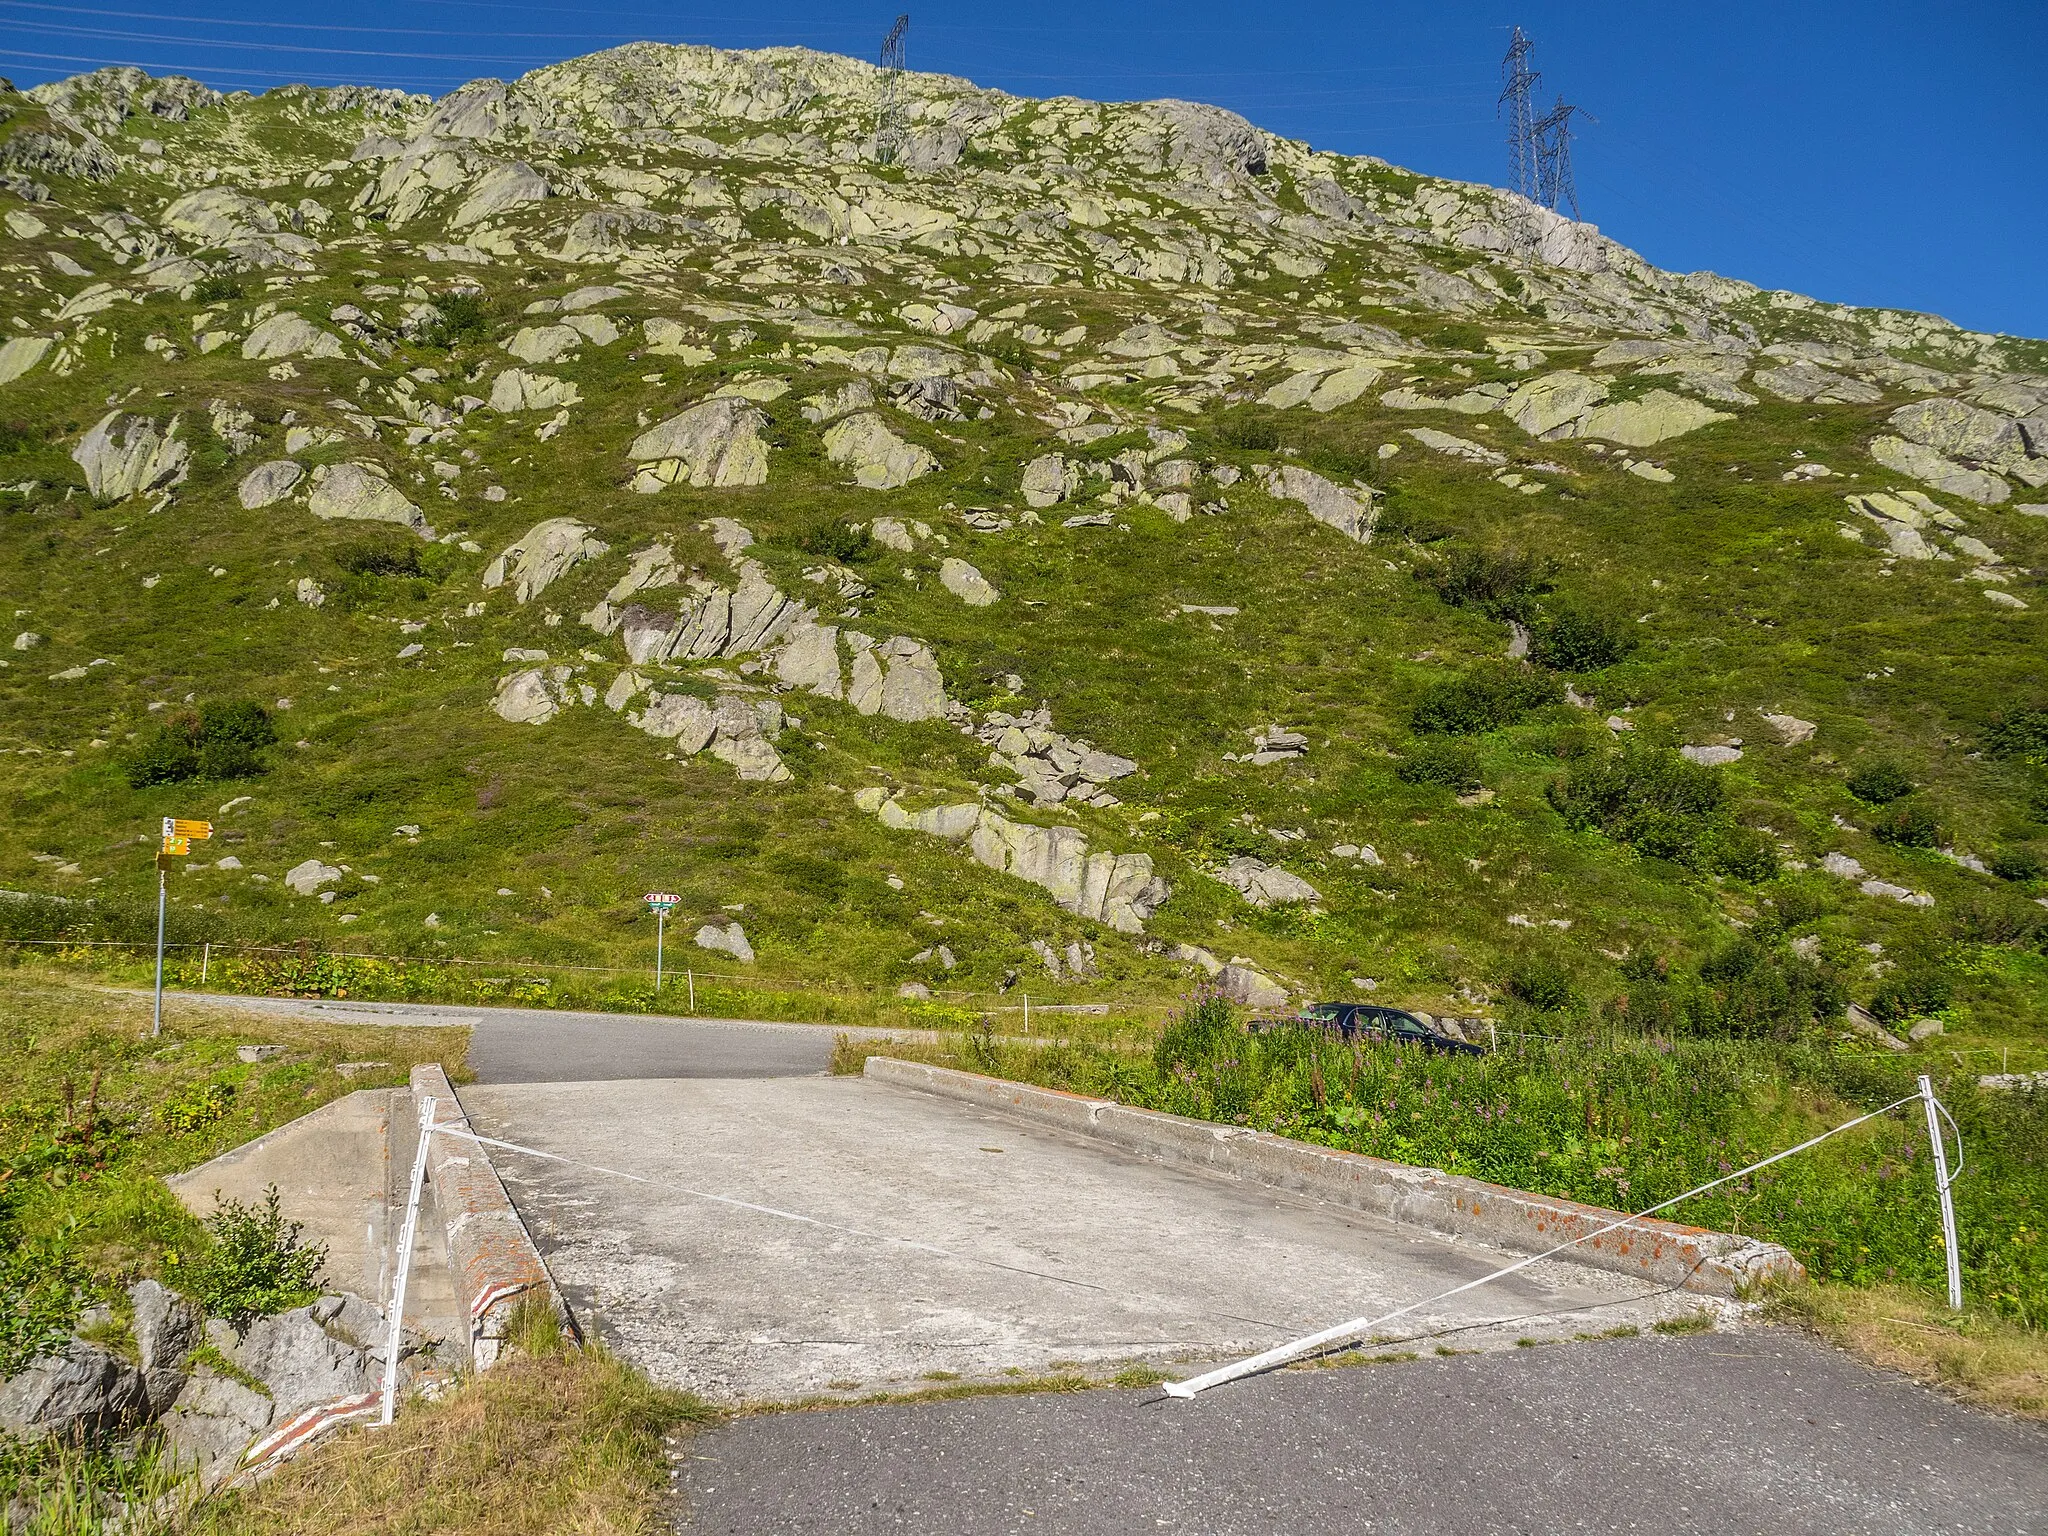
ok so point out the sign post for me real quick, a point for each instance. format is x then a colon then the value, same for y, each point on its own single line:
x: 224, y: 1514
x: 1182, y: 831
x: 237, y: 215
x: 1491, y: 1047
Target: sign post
x: 659, y: 903
x: 178, y: 833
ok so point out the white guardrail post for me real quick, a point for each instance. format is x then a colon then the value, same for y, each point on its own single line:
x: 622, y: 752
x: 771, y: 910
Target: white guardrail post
x: 1943, y: 1183
x: 394, y: 1333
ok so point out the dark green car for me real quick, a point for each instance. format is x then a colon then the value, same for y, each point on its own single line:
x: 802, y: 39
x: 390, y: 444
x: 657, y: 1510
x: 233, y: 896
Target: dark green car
x: 1370, y: 1021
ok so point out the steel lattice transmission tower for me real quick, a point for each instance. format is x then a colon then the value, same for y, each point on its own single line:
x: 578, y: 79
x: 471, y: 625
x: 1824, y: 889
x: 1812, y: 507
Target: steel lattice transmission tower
x: 889, y: 108
x: 1555, y: 186
x: 1518, y: 88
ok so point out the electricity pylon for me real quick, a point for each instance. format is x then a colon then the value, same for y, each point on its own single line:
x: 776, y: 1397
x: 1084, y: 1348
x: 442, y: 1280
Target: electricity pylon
x: 1556, y: 189
x: 889, y: 108
x: 1517, y: 93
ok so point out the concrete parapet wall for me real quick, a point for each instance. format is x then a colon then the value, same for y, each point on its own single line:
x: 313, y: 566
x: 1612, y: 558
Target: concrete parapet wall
x: 490, y: 1253
x: 1661, y: 1252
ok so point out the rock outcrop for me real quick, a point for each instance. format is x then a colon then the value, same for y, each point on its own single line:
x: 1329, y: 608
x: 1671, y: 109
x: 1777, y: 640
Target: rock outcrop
x: 543, y: 555
x: 1118, y: 889
x: 717, y: 443
x: 124, y: 456
x: 363, y: 492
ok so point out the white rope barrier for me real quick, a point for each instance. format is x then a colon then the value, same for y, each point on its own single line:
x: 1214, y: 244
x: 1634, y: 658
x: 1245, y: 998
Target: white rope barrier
x: 1358, y: 1327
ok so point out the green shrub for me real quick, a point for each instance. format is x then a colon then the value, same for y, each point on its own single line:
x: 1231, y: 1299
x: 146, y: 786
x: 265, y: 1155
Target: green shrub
x: 832, y: 538
x: 1198, y: 1032
x: 196, y: 1108
x: 2020, y: 864
x: 1444, y: 761
x: 1542, y: 984
x: 1910, y: 824
x: 2020, y: 733
x: 1575, y: 640
x: 1485, y: 699
x: 1248, y: 431
x: 40, y: 1287
x: 1743, y: 853
x: 256, y: 1265
x: 1648, y: 797
x: 1749, y: 990
x: 221, y: 741
x: 462, y: 317
x: 1920, y: 986
x: 377, y: 557
x: 1501, y: 583
x: 217, y: 289
x: 1880, y: 782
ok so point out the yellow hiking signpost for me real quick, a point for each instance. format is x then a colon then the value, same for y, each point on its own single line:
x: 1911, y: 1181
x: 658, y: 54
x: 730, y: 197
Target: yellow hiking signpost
x: 178, y: 833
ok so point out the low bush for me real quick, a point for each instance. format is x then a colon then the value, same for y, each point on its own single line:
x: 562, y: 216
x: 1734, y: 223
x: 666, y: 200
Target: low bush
x: 1880, y: 782
x: 1648, y: 797
x: 1443, y: 761
x: 461, y: 317
x: 1909, y: 824
x: 2019, y: 864
x: 1485, y: 699
x: 833, y: 538
x: 1501, y: 583
x: 221, y: 741
x: 1743, y: 853
x: 1248, y: 431
x: 1576, y: 640
x: 256, y: 1265
x: 2020, y: 733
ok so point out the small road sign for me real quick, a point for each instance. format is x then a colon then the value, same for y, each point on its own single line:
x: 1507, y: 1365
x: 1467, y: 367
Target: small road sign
x: 179, y: 826
x: 177, y: 845
x: 662, y: 901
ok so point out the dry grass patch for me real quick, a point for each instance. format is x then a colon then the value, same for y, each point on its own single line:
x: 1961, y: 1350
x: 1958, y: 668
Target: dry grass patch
x: 554, y: 1440
x: 1975, y: 1356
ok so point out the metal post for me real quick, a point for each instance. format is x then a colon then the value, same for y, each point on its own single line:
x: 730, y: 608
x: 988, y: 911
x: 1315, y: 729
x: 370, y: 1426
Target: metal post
x: 394, y: 1333
x: 660, y: 925
x: 693, y: 989
x: 1027, y: 1013
x: 1941, y: 1186
x: 205, y: 960
x: 156, y: 1023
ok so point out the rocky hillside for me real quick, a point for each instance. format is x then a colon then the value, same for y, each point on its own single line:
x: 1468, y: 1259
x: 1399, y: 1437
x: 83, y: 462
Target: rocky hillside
x: 1034, y: 540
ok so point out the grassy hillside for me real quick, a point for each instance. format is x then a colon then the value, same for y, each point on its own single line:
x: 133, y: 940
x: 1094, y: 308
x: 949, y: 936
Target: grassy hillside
x: 1144, y: 270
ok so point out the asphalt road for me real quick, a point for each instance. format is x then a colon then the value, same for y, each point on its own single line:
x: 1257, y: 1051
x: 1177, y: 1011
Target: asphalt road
x: 546, y: 1045
x: 1757, y: 1431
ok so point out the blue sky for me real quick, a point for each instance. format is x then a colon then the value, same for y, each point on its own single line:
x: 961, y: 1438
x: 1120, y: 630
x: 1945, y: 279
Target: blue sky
x: 1873, y: 153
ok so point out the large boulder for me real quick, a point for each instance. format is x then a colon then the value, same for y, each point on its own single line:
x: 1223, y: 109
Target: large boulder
x: 18, y: 354
x: 879, y: 459
x: 897, y: 678
x: 301, y: 1361
x: 1960, y: 431
x: 517, y: 390
x: 717, y: 443
x: 123, y: 456
x: 1264, y: 885
x: 735, y: 729
x: 1545, y: 405
x: 1327, y: 503
x: 730, y: 939
x: 287, y: 334
x: 167, y: 1328
x: 1802, y: 380
x: 966, y: 583
x: 1050, y: 479
x: 81, y: 1390
x: 269, y: 483
x: 362, y: 492
x: 1241, y: 984
x: 1924, y: 464
x: 543, y: 554
x: 502, y: 187
x: 1655, y: 417
x: 307, y: 877
x: 811, y: 661
x: 217, y: 215
x: 534, y: 696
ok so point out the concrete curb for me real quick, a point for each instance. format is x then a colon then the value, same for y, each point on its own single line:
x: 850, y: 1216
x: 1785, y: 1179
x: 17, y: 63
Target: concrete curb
x: 491, y: 1255
x: 1661, y: 1252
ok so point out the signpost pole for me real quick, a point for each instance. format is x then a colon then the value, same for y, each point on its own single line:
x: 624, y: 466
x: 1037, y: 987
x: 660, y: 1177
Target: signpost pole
x: 660, y: 926
x: 156, y: 1023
